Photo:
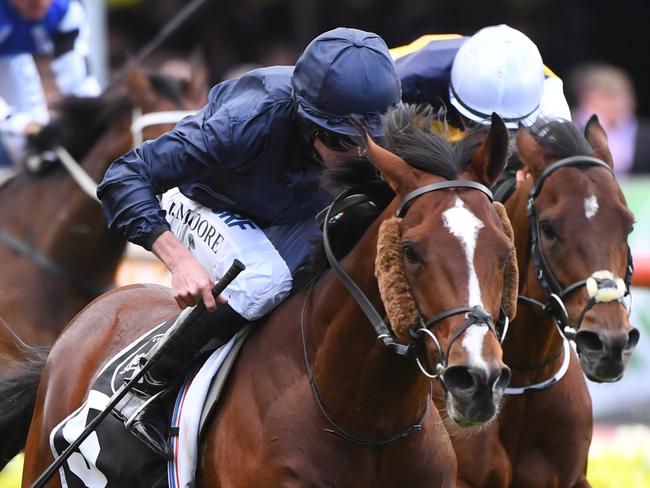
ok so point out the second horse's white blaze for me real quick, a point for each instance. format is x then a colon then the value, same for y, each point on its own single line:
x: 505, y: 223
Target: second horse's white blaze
x: 465, y: 226
x: 591, y: 206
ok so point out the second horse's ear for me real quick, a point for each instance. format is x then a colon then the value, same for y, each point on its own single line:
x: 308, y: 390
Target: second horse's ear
x: 597, y: 138
x: 141, y: 90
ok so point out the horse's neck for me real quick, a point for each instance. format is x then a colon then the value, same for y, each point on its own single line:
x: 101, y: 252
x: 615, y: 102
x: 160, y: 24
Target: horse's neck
x: 361, y: 382
x: 533, y: 337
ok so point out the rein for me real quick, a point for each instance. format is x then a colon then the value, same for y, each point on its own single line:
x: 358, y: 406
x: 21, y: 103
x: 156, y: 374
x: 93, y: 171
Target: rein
x: 21, y: 247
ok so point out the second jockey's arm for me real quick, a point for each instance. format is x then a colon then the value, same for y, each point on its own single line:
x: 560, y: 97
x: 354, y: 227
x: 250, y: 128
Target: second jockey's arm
x: 190, y: 281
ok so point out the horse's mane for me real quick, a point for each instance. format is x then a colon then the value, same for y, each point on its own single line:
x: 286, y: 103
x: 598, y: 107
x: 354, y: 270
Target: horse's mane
x: 560, y: 138
x: 416, y: 133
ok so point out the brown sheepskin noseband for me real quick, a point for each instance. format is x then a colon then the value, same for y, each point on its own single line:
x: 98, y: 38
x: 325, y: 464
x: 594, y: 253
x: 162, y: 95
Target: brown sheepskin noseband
x: 400, y: 306
x: 511, y: 272
x: 394, y: 288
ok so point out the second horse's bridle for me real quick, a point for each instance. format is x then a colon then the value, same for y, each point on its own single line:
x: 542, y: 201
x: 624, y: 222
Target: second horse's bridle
x: 597, y: 283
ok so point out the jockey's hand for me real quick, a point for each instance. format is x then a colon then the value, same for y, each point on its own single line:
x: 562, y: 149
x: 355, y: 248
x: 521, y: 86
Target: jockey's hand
x: 191, y: 283
x: 43, y: 138
x: 521, y: 176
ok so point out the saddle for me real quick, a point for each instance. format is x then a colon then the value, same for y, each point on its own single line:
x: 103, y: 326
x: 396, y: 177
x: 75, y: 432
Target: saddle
x: 111, y: 456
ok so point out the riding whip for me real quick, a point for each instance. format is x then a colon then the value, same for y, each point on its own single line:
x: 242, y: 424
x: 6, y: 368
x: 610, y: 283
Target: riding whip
x: 180, y: 325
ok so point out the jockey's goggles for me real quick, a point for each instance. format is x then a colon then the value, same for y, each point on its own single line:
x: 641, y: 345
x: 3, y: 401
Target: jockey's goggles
x: 333, y: 140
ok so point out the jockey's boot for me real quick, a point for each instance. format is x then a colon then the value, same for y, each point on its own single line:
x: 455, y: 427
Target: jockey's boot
x: 142, y: 409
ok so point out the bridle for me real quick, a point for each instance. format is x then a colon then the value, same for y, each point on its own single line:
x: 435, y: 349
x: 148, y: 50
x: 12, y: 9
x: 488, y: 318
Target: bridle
x: 596, y: 283
x: 602, y: 286
x: 140, y: 121
x: 475, y: 315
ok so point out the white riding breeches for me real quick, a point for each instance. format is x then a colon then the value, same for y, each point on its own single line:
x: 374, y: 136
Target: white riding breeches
x: 216, y: 238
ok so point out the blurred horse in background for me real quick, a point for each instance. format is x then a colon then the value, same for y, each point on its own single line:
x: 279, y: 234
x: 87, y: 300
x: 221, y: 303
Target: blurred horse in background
x: 56, y: 252
x: 571, y: 226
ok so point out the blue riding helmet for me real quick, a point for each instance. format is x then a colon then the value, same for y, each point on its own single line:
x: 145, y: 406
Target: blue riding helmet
x: 344, y: 72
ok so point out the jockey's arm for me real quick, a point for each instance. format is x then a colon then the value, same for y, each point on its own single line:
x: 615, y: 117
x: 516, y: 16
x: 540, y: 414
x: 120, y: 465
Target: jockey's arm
x: 70, y: 55
x: 28, y: 108
x: 199, y: 144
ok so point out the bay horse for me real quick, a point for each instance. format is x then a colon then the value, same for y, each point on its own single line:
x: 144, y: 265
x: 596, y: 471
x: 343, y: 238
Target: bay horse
x: 315, y: 397
x: 56, y: 251
x: 570, y: 220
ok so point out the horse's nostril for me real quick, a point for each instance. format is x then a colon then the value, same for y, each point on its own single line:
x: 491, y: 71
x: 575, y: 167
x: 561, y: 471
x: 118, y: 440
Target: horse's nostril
x: 633, y: 339
x: 458, y: 378
x: 588, y: 341
x: 503, y: 379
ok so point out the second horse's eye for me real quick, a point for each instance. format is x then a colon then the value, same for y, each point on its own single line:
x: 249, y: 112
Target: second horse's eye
x: 410, y: 253
x: 547, y: 230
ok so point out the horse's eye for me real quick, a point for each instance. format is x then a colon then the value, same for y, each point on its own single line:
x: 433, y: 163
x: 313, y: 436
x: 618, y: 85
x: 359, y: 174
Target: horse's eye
x: 410, y: 253
x: 547, y: 230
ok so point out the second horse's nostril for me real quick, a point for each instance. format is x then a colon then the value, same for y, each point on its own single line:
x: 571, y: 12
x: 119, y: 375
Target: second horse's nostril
x: 633, y: 339
x: 588, y: 341
x: 502, y: 380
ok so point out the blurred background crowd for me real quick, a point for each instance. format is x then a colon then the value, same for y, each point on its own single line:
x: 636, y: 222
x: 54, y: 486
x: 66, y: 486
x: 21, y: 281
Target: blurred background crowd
x: 597, y: 47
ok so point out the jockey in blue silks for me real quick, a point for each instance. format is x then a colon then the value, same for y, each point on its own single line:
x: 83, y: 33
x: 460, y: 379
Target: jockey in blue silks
x: 498, y: 69
x: 28, y: 27
x: 240, y: 179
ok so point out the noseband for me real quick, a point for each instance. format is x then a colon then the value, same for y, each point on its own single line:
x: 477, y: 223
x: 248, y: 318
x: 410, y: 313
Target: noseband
x: 475, y: 315
x: 602, y: 286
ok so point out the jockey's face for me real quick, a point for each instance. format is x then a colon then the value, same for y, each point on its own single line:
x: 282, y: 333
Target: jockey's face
x: 334, y: 157
x: 32, y: 9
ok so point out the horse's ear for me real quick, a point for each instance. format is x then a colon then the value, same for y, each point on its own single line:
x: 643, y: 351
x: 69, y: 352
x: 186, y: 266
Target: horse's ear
x: 530, y: 152
x: 597, y: 138
x: 489, y: 161
x: 141, y: 91
x: 197, y: 88
x: 397, y: 173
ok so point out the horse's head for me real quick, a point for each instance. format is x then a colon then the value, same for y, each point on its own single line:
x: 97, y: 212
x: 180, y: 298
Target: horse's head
x: 442, y: 263
x: 579, y: 226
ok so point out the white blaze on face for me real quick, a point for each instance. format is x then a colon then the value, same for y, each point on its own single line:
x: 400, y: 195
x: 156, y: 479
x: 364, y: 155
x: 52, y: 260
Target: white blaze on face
x: 464, y: 225
x: 591, y: 206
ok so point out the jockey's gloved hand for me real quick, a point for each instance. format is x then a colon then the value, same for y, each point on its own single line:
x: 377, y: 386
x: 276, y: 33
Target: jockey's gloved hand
x: 41, y: 138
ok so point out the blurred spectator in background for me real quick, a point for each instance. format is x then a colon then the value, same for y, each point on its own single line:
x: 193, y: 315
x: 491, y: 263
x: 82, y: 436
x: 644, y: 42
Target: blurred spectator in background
x: 607, y: 91
x: 29, y: 27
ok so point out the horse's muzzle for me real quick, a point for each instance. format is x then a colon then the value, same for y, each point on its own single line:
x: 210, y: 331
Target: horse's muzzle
x: 603, y: 356
x: 474, y: 394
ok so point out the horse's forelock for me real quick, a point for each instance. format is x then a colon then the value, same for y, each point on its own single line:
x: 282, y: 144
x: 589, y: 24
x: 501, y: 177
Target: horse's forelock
x: 421, y: 136
x: 560, y: 138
